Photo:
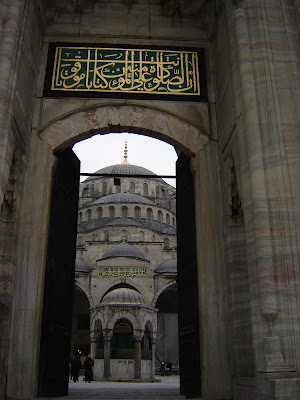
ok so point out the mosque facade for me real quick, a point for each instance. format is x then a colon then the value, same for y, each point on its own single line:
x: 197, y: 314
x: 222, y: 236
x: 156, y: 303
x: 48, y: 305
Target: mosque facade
x: 125, y: 309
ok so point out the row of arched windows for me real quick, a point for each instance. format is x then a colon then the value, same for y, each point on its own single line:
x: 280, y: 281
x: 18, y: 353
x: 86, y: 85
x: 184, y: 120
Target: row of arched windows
x: 124, y: 214
x: 89, y: 191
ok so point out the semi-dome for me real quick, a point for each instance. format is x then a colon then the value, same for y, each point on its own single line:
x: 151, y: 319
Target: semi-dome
x: 167, y: 266
x: 123, y: 198
x: 124, y: 297
x: 82, y: 266
x: 123, y: 250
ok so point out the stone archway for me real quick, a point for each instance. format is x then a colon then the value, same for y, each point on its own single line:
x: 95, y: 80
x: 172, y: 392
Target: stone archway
x: 84, y: 123
x: 56, y: 136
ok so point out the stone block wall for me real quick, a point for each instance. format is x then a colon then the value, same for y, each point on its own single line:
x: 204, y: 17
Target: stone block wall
x: 252, y: 117
x: 22, y: 26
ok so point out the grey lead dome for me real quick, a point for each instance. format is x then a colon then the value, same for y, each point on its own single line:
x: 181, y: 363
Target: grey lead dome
x: 123, y: 296
x: 123, y: 169
x: 167, y: 266
x: 124, y: 250
x: 123, y: 198
x: 82, y: 266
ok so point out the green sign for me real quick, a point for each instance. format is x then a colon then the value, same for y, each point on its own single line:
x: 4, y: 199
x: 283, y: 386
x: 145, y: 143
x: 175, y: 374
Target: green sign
x: 122, y: 272
x: 125, y: 71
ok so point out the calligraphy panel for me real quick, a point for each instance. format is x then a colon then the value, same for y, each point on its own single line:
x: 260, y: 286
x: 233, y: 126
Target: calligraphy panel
x: 91, y: 71
x: 122, y: 272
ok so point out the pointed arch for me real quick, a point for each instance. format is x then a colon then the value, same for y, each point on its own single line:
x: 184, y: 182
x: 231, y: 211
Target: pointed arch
x: 123, y: 314
x: 86, y: 292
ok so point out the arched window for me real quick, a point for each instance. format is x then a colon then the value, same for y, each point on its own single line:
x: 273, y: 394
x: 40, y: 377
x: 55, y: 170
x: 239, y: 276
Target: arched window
x: 141, y: 236
x: 99, y: 212
x: 157, y: 192
x: 111, y: 212
x: 80, y: 218
x: 92, y: 190
x: 85, y: 192
x: 173, y: 222
x: 132, y: 187
x: 166, y: 243
x: 104, y: 188
x: 88, y: 215
x: 106, y: 236
x: 159, y: 216
x: 168, y: 218
x: 145, y: 189
x: 124, y: 235
x: 137, y: 212
x: 153, y: 238
x: 124, y: 212
x: 149, y: 213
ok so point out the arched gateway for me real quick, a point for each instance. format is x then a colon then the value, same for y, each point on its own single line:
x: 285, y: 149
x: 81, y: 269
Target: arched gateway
x: 52, y: 139
x: 237, y: 175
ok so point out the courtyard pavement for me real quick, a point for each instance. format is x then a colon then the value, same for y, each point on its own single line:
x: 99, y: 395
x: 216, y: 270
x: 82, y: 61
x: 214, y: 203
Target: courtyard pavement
x: 167, y: 389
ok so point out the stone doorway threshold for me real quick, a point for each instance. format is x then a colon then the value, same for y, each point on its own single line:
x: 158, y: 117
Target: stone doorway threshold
x: 166, y: 389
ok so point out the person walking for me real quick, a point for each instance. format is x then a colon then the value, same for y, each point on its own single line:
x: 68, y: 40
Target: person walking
x: 88, y: 368
x: 75, y: 367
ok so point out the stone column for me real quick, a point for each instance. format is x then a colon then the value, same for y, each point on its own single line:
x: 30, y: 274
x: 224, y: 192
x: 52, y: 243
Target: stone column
x: 256, y: 207
x: 107, y: 349
x: 213, y: 316
x: 137, y: 355
x: 32, y: 247
x: 93, y: 344
x: 152, y: 374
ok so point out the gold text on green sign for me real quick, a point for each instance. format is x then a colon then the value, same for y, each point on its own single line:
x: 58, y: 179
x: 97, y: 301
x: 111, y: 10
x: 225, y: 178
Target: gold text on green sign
x: 122, y: 272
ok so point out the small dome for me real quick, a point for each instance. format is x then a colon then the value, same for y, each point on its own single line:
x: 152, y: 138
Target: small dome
x: 167, y: 266
x: 123, y: 198
x: 124, y: 250
x: 82, y: 266
x: 123, y: 296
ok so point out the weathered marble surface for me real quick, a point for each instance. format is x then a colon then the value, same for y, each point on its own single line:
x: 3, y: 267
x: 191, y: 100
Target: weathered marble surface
x: 121, y: 369
x: 252, y: 117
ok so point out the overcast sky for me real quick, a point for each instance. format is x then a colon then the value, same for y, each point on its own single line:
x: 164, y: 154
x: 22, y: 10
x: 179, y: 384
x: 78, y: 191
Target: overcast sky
x: 103, y: 150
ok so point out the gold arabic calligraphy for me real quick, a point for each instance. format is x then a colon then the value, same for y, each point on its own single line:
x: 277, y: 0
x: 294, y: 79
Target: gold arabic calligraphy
x: 123, y: 70
x: 122, y: 272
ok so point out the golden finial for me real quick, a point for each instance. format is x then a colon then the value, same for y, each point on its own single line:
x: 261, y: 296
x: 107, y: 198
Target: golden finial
x: 125, y: 155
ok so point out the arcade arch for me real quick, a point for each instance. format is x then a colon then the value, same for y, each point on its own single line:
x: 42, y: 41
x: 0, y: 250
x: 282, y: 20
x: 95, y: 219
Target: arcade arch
x: 60, y: 134
x: 80, y: 322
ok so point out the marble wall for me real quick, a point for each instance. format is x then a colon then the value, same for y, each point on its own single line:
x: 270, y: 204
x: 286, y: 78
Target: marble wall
x: 121, y: 369
x: 248, y: 271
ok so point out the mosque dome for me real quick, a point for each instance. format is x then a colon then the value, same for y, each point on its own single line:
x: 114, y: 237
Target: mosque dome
x: 123, y: 250
x: 123, y: 198
x: 123, y: 296
x: 124, y: 169
x: 82, y: 266
x: 167, y: 266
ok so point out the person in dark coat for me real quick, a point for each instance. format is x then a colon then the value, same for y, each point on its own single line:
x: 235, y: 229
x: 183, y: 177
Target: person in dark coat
x: 88, y: 368
x: 75, y: 367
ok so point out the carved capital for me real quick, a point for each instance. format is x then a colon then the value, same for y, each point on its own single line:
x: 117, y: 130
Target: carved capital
x: 107, y: 333
x: 138, y: 335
